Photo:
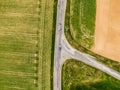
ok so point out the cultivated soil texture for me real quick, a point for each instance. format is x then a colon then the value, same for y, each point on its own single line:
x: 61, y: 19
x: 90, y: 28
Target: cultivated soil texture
x: 107, y: 30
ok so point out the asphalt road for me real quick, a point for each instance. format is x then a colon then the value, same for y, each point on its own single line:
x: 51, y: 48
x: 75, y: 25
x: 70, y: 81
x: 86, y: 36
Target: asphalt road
x: 64, y: 51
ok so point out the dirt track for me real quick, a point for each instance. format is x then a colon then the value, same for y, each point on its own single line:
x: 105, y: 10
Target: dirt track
x: 107, y: 30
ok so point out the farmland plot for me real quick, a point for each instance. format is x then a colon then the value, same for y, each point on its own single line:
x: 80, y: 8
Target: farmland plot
x: 25, y: 44
x: 18, y: 44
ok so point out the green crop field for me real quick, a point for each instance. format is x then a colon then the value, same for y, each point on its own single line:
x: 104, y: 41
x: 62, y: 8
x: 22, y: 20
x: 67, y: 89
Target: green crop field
x: 25, y: 44
x: 18, y: 41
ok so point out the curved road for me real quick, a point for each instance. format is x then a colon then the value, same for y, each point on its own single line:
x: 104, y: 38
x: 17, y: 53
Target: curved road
x: 64, y: 51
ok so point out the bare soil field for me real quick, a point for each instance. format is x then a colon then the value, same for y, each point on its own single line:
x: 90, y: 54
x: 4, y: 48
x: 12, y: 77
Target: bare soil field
x: 107, y: 30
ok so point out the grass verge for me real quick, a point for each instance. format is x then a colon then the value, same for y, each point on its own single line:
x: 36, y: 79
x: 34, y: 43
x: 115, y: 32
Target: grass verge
x: 53, y: 41
x: 46, y: 32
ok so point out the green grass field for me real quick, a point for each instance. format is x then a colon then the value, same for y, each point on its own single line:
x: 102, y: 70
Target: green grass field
x: 25, y: 44
x: 82, y: 13
x: 79, y: 76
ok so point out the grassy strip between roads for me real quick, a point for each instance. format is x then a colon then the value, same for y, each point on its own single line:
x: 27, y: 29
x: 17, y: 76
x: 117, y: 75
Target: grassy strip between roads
x: 82, y: 14
x: 78, y: 76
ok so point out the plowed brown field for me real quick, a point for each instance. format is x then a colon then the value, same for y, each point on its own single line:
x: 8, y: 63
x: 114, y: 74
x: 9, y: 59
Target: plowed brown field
x: 107, y: 30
